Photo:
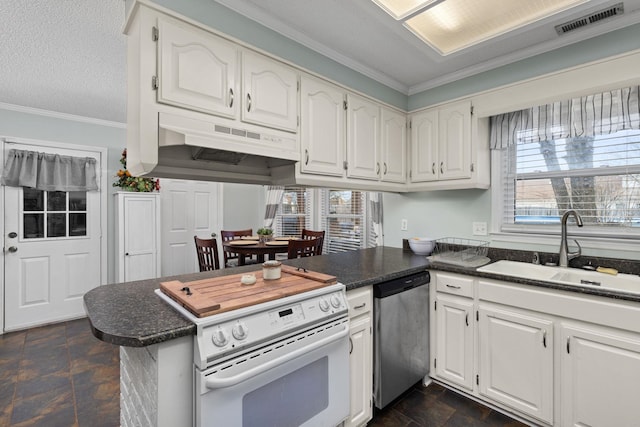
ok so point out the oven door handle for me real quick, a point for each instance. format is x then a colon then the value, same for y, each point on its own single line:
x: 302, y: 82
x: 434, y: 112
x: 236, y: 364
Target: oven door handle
x: 214, y: 383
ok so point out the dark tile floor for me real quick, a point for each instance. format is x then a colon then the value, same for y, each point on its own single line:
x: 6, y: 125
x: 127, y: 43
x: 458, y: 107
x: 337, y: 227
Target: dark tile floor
x: 59, y: 375
x: 435, y: 406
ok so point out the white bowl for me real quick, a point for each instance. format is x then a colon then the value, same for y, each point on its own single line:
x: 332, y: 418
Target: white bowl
x: 422, y: 245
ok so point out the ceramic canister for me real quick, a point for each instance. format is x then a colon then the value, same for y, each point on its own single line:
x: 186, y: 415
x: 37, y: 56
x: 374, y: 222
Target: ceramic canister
x: 271, y: 270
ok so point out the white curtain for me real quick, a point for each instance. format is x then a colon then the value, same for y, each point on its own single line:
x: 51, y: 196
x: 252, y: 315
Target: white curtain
x: 49, y: 172
x: 272, y: 200
x: 376, y: 215
x: 598, y: 114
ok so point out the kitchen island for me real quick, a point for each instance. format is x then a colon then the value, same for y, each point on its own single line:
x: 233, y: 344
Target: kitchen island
x: 157, y: 342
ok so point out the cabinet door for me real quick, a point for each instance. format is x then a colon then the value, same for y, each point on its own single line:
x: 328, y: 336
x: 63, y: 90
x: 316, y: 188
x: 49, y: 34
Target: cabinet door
x: 363, y: 138
x: 270, y: 92
x: 454, y: 340
x: 424, y: 146
x: 600, y: 377
x: 139, y: 225
x: 196, y: 69
x: 394, y: 146
x: 454, y: 148
x: 361, y: 371
x: 516, y: 360
x: 323, y: 128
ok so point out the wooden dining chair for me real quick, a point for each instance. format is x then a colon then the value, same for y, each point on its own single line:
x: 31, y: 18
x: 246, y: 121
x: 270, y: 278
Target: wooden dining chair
x: 310, y: 234
x: 304, y: 248
x: 231, y: 258
x: 207, y: 251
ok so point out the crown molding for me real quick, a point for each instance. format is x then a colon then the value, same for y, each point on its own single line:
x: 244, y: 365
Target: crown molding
x: 63, y: 116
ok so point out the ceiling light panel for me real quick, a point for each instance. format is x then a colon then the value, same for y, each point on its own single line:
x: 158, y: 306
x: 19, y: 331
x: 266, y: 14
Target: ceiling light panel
x: 453, y: 25
x: 400, y: 9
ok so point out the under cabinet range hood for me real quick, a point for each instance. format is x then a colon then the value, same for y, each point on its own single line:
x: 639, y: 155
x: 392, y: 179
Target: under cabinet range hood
x: 214, y: 150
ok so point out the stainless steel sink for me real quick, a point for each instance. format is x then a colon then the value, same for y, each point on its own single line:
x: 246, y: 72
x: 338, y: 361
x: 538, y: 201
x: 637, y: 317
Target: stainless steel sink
x: 563, y: 275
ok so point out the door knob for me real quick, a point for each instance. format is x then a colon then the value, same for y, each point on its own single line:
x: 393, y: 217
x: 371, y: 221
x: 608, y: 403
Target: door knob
x: 12, y: 249
x: 13, y: 235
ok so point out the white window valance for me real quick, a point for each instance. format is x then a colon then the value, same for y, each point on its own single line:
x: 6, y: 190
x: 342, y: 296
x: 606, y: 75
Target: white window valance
x: 592, y: 115
x: 49, y: 172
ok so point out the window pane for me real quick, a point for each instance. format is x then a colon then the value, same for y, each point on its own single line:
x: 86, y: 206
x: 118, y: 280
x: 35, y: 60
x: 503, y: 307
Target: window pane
x: 57, y: 225
x: 56, y: 201
x: 77, y: 200
x: 33, y: 227
x: 33, y: 200
x: 77, y: 224
x: 294, y: 212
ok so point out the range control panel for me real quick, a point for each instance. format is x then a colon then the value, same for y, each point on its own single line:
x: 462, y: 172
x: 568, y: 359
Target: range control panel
x: 230, y: 332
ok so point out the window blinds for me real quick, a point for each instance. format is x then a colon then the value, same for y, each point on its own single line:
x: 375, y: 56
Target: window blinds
x: 294, y: 212
x: 344, y: 220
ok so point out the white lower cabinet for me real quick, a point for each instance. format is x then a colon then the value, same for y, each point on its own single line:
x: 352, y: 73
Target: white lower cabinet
x: 550, y: 357
x: 361, y: 356
x: 600, y: 376
x: 516, y: 360
x: 454, y: 339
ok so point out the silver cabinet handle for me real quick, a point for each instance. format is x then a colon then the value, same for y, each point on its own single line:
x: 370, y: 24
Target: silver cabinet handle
x: 350, y: 345
x: 466, y: 319
x: 358, y: 307
x: 544, y: 339
x: 441, y: 167
x: 378, y: 168
x: 433, y: 168
x: 385, y: 168
x: 12, y: 249
x: 306, y: 156
x: 452, y: 286
x: 248, y: 102
x: 230, y: 97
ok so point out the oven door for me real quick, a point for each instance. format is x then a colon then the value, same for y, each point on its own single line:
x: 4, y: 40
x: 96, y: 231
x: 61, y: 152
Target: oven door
x: 302, y: 380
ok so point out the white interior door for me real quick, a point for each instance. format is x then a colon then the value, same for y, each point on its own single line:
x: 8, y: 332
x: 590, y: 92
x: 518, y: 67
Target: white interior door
x: 189, y: 208
x: 52, y: 250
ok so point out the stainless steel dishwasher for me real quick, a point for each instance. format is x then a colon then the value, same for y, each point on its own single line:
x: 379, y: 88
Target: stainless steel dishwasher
x: 400, y: 336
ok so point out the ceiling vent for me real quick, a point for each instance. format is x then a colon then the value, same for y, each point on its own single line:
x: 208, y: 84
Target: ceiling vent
x: 592, y: 18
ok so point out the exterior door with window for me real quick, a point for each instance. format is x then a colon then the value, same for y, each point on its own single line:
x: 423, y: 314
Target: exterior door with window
x: 52, y: 250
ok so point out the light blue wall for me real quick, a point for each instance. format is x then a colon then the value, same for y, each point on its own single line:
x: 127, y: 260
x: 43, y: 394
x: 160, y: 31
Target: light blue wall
x: 434, y: 214
x: 243, y: 206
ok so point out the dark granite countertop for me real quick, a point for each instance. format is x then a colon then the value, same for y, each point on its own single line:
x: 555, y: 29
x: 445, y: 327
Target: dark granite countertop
x: 131, y: 314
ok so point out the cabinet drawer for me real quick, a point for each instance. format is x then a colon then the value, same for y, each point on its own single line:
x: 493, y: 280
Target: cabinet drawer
x: 360, y: 301
x: 453, y: 284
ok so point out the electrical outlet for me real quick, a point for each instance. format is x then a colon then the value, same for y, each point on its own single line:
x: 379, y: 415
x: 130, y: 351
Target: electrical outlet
x: 403, y: 225
x: 479, y: 228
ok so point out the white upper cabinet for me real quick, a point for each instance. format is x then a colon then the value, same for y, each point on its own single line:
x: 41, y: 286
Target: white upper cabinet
x: 449, y: 149
x: 454, y: 147
x: 424, y: 146
x: 322, y: 127
x: 270, y: 92
x: 394, y: 146
x: 363, y: 138
x: 196, y: 69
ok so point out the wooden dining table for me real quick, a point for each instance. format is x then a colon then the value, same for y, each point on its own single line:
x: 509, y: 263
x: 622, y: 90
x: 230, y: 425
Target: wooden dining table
x: 245, y: 248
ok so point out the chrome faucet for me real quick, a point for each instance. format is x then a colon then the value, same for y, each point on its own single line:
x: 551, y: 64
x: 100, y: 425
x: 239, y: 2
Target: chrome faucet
x: 564, y: 255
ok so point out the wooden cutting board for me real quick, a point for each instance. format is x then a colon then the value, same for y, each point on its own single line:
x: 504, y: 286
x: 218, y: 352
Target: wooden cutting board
x: 220, y: 294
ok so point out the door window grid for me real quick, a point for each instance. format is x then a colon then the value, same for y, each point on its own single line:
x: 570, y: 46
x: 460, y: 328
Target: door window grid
x: 53, y: 214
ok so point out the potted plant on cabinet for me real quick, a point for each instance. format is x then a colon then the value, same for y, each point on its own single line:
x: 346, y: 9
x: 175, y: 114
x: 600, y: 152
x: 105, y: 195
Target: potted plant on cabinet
x: 126, y: 182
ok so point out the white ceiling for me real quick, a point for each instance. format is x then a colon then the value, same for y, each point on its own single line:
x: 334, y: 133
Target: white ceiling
x: 69, y: 56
